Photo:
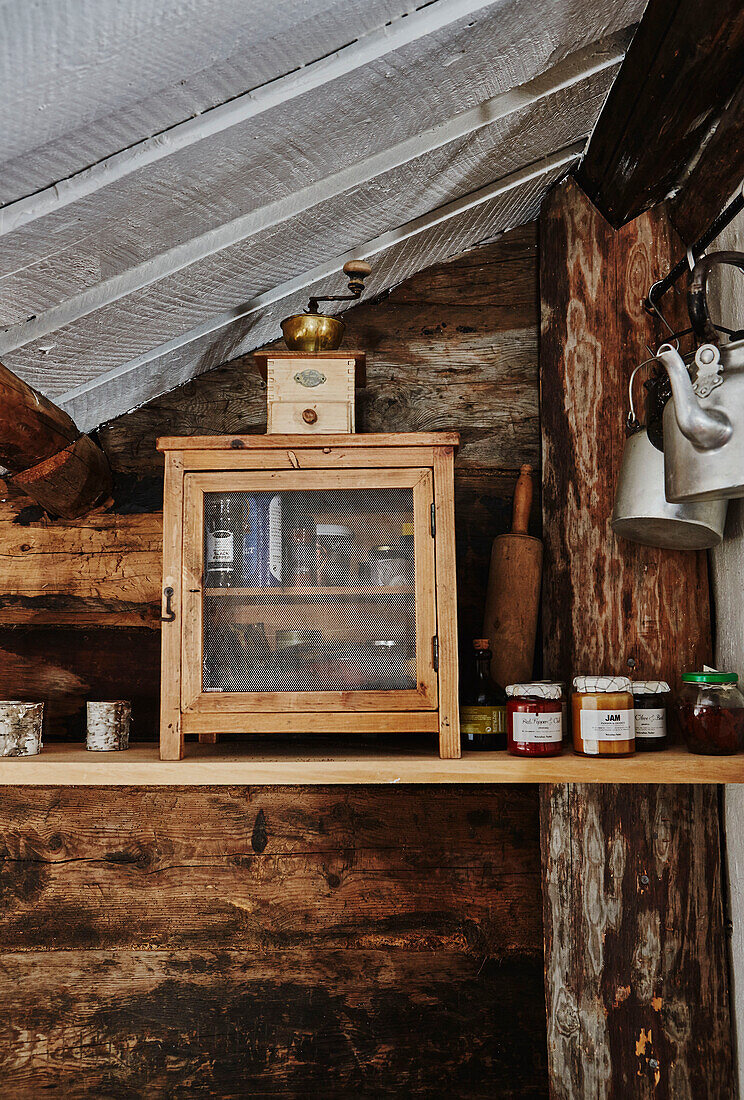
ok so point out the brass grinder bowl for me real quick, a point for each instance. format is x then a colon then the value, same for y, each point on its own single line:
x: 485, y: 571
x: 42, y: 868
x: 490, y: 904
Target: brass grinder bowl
x: 312, y: 332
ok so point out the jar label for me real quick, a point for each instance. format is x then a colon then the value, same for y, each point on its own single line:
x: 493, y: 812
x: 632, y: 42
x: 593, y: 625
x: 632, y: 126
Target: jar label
x: 650, y: 724
x: 537, y: 729
x: 220, y: 549
x: 607, y: 725
x: 480, y: 721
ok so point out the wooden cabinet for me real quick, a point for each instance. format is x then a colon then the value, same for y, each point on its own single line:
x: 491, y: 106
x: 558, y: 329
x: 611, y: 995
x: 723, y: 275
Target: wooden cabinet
x: 309, y: 586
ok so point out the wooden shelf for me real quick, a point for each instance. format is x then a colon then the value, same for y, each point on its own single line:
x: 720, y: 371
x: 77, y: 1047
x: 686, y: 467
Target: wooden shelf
x: 276, y: 764
x: 349, y: 592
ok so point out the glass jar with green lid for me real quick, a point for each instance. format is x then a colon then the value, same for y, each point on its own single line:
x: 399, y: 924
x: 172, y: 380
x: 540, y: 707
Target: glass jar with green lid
x: 710, y: 711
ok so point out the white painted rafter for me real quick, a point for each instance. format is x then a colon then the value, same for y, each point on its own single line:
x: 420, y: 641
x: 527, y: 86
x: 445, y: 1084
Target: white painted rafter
x: 573, y: 71
x: 547, y: 168
x: 403, y: 31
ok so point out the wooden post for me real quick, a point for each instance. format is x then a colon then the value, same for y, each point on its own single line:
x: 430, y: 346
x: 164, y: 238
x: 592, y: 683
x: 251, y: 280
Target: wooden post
x: 636, y: 983
x: 48, y: 458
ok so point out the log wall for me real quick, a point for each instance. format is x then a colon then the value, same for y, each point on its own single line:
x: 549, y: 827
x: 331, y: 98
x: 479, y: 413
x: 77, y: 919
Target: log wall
x: 288, y: 941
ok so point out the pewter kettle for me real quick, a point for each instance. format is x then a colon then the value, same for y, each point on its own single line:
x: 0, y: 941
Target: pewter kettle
x: 704, y: 421
x: 642, y: 512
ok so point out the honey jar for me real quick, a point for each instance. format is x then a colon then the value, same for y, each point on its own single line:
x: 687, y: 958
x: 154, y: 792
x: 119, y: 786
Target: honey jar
x: 603, y: 716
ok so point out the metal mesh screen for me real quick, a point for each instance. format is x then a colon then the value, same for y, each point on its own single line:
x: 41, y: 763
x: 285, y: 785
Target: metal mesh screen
x: 311, y: 590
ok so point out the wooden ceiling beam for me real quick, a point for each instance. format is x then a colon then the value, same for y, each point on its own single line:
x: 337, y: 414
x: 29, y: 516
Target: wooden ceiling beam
x: 715, y: 176
x: 681, y: 70
x: 45, y: 454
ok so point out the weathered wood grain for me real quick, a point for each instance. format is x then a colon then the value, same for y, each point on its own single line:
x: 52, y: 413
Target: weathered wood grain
x: 715, y: 176
x: 272, y: 868
x: 102, y: 570
x: 64, y: 667
x: 299, y: 1022
x: 32, y: 428
x: 71, y: 483
x: 664, y: 104
x: 636, y: 982
x: 636, y: 974
x: 609, y: 605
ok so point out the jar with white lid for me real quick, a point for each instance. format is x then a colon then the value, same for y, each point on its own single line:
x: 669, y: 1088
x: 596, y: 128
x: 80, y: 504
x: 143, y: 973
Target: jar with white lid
x: 603, y: 716
x: 650, y: 700
x: 534, y: 715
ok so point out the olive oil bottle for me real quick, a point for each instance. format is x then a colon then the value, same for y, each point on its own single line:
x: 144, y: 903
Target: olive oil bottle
x: 482, y: 705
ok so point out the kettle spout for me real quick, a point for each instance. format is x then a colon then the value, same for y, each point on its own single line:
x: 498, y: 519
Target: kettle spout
x: 706, y: 429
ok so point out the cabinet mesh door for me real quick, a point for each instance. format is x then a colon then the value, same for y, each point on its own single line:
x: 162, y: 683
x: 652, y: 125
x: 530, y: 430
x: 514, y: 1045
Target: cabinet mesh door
x: 310, y: 590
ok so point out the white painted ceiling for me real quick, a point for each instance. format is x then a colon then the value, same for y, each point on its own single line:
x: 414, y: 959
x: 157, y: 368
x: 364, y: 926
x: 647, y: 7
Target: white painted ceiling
x: 177, y: 176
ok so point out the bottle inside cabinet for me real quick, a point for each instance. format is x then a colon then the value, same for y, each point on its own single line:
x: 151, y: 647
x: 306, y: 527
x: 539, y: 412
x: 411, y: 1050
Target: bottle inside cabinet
x: 337, y: 621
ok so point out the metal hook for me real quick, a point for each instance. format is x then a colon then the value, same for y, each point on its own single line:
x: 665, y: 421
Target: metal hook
x: 650, y: 304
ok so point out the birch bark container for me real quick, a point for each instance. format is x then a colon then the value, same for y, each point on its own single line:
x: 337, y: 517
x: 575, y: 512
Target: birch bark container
x: 20, y: 728
x: 108, y: 726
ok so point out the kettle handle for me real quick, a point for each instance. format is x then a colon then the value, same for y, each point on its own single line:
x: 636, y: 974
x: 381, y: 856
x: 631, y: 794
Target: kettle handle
x: 697, y: 302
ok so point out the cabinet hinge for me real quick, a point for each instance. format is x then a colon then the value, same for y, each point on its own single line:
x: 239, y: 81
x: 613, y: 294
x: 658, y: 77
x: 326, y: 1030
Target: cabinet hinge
x: 433, y: 522
x: 435, y: 652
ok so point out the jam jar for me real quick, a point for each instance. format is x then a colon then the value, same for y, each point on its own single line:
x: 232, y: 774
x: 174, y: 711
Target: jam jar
x: 603, y: 716
x: 710, y: 710
x: 650, y: 700
x: 534, y: 719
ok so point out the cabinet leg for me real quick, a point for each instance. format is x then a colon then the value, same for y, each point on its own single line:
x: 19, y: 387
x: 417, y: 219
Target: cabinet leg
x: 171, y: 740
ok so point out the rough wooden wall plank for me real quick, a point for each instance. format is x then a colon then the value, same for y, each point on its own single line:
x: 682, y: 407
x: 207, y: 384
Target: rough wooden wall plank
x: 105, y: 567
x: 345, y: 869
x: 66, y: 666
x: 292, y: 1023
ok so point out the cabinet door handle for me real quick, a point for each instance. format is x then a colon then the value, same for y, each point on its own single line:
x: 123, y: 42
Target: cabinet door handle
x: 170, y: 614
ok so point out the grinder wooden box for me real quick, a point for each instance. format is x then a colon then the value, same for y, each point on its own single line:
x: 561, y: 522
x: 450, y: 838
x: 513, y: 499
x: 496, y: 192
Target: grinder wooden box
x: 311, y: 394
x: 369, y: 646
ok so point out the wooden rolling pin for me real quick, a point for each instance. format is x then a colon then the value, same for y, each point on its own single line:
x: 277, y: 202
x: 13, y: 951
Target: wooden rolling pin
x: 513, y: 594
